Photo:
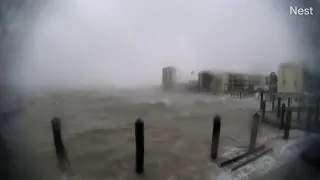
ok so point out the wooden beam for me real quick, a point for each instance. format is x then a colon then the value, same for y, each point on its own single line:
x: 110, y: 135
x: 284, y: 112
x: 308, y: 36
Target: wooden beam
x: 237, y: 158
x: 237, y: 166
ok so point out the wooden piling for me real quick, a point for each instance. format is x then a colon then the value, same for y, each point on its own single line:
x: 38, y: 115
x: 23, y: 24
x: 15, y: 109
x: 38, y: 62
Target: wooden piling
x: 61, y: 152
x: 139, y: 133
x: 254, y: 132
x: 287, y: 124
x: 263, y: 113
x: 289, y: 101
x: 273, y: 99
x: 215, y: 137
x: 261, y: 99
x: 316, y: 118
x: 308, y: 121
x: 279, y: 107
x: 302, y: 102
x: 283, y: 111
x: 298, y: 113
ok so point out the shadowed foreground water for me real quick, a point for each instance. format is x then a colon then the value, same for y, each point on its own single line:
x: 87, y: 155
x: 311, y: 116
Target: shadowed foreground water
x: 98, y: 130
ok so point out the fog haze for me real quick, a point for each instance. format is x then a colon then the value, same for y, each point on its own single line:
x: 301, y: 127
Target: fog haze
x: 122, y: 43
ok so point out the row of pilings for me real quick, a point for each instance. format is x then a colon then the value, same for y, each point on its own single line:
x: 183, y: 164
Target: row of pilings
x: 304, y: 108
x: 139, y: 126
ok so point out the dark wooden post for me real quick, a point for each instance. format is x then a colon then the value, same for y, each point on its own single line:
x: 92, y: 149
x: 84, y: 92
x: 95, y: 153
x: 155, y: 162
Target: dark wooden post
x: 263, y: 113
x: 254, y: 131
x: 302, y: 102
x: 287, y: 124
x: 317, y: 110
x: 283, y: 112
x: 289, y: 101
x: 61, y: 152
x: 261, y: 99
x: 308, y: 122
x: 139, y: 133
x: 298, y: 113
x: 270, y: 96
x: 273, y: 99
x: 215, y: 137
x: 279, y: 108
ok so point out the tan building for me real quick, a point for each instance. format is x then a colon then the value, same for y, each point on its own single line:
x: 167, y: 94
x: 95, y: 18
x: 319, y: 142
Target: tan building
x: 169, y: 77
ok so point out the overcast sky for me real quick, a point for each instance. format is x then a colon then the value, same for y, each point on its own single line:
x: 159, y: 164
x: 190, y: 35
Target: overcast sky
x: 126, y: 43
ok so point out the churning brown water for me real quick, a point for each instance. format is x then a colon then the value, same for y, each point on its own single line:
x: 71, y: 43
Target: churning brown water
x: 98, y: 131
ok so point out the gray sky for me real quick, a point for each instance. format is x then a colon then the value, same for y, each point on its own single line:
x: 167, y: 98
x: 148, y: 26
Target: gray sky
x: 126, y: 43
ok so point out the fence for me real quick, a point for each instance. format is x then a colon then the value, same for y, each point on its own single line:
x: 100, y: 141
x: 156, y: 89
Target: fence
x: 241, y: 94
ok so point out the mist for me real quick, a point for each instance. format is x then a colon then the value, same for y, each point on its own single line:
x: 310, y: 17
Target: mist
x: 122, y: 43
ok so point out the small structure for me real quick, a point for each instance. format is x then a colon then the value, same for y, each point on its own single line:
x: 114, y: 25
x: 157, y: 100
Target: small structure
x: 291, y: 77
x: 169, y: 76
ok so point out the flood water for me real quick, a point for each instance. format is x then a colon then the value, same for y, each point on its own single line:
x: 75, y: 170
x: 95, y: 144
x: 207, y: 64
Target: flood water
x: 98, y: 132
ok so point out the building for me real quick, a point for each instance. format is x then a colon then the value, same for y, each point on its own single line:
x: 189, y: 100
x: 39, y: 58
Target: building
x: 169, y: 77
x: 205, y: 79
x: 229, y: 81
x: 232, y: 81
x: 237, y: 81
x: 291, y: 77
